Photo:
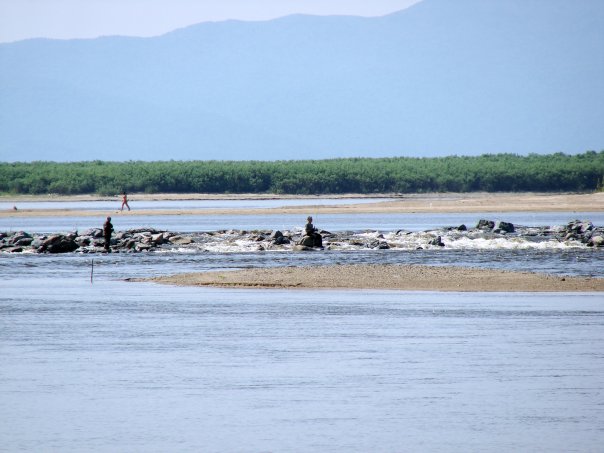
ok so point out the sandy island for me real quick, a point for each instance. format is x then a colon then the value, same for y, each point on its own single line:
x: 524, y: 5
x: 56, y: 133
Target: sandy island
x: 400, y: 203
x: 391, y: 277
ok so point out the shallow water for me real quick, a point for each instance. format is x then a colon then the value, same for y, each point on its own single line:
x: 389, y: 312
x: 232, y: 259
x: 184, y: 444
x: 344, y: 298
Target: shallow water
x: 122, y: 366
x: 329, y: 222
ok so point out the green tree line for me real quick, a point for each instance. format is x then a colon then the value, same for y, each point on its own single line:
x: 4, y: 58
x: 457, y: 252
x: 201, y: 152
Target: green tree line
x: 489, y: 172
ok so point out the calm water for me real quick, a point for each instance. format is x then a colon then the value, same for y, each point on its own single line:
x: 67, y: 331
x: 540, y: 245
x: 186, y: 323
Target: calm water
x: 329, y: 222
x: 122, y: 366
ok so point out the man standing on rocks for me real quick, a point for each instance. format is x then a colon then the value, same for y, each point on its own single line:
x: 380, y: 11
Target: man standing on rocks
x: 107, y: 230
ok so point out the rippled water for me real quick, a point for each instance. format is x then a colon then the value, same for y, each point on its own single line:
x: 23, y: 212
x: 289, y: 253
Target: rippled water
x: 122, y: 366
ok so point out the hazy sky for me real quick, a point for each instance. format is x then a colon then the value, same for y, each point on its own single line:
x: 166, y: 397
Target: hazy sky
x: 22, y: 19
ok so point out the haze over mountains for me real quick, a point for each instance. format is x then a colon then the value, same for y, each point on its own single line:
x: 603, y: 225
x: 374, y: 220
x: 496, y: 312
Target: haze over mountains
x: 442, y: 77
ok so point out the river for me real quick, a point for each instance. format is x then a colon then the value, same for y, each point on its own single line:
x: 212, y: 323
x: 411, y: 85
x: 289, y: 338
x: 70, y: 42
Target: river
x: 112, y: 365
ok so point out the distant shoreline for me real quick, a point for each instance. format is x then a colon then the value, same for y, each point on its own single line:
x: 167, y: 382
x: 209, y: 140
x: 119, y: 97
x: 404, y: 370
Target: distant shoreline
x: 400, y: 203
x: 386, y: 277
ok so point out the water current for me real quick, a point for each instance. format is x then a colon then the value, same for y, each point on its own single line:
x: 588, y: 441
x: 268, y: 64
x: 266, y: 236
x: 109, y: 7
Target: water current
x: 110, y: 365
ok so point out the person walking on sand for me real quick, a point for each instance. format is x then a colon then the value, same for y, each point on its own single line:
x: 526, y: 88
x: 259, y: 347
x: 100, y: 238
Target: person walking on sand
x: 125, y: 201
x: 107, y: 230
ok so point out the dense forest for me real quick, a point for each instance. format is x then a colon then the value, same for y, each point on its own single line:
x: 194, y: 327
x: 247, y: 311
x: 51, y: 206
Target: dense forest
x: 493, y: 173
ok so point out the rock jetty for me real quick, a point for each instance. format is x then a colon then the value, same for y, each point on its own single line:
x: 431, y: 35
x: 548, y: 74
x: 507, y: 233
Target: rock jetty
x: 576, y: 233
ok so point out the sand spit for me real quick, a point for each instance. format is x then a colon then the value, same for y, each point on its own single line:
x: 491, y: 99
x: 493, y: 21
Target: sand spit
x: 390, y: 277
x: 400, y: 203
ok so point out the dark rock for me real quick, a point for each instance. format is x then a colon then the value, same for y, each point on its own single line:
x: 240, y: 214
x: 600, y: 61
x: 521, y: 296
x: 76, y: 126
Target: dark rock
x: 506, y: 227
x: 462, y: 227
x: 276, y: 234
x: 58, y: 243
x: 378, y: 245
x: 436, y: 241
x: 23, y: 241
x: 485, y: 224
x: 280, y: 240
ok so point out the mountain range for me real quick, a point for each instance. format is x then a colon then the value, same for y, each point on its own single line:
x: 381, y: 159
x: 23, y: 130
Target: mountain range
x: 442, y: 77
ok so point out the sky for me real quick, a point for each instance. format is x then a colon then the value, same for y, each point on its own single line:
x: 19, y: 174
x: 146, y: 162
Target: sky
x: 67, y: 19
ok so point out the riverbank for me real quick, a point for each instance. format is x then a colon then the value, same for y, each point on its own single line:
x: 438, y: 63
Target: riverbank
x: 390, y: 277
x: 397, y: 203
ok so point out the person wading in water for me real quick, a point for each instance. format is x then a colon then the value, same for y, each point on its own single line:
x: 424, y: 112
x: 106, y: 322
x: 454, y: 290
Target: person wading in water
x: 107, y: 230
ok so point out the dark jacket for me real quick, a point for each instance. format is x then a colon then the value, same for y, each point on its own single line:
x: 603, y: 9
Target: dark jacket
x: 107, y: 229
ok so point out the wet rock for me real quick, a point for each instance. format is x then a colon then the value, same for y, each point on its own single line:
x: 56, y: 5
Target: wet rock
x: 93, y: 232
x: 462, y: 227
x: 58, y: 243
x: 378, y: 245
x: 437, y: 241
x: 157, y: 239
x: 181, y: 240
x: 280, y: 240
x: 503, y: 227
x: 485, y: 224
x: 596, y: 241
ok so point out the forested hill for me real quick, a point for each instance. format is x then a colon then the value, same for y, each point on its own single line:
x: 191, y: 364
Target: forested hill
x: 501, y: 172
x: 439, y: 78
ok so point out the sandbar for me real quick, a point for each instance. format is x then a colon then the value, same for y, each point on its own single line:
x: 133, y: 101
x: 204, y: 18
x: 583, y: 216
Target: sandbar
x: 387, y: 277
x: 397, y: 203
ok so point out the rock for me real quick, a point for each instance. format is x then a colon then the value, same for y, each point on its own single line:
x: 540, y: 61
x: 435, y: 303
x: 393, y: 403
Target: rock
x: 58, y: 243
x: 23, y: 241
x: 307, y: 241
x: 276, y: 234
x: 596, y: 241
x: 378, y: 245
x: 280, y: 240
x: 462, y: 227
x: 506, y: 227
x: 485, y: 224
x: 303, y: 248
x: 157, y: 239
x: 436, y: 241
x: 93, y: 232
x: 181, y: 240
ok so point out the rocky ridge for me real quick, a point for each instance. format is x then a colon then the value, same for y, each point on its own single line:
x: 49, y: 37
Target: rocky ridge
x: 575, y: 233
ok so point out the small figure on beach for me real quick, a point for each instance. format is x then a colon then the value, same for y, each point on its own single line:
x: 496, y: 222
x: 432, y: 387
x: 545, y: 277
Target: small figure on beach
x: 107, y: 230
x: 313, y: 233
x: 125, y: 201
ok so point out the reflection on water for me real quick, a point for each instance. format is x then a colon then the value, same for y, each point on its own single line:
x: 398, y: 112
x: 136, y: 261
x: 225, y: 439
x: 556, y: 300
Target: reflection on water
x: 143, y: 367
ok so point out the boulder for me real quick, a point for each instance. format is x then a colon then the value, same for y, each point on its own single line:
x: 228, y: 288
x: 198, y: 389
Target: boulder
x: 311, y: 241
x: 505, y: 227
x: 462, y: 227
x: 436, y: 241
x: 181, y: 240
x: 485, y: 224
x: 58, y: 243
x: 596, y: 241
x: 93, y: 232
x: 157, y: 239
x: 280, y: 240
x: 378, y: 245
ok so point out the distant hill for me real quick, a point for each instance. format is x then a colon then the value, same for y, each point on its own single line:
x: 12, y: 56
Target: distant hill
x: 439, y: 78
